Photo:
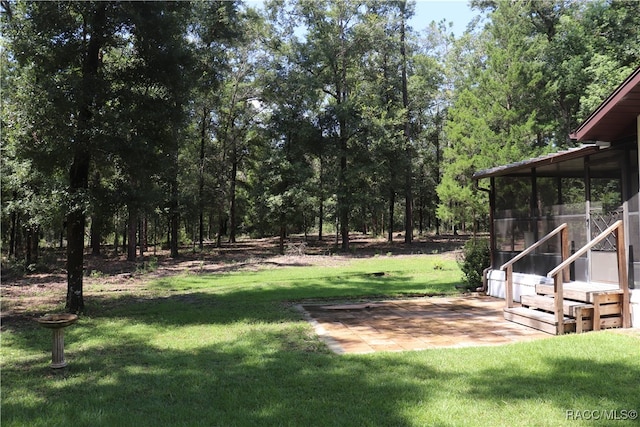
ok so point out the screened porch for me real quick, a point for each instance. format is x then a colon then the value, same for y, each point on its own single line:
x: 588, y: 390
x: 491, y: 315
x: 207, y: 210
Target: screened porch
x: 588, y: 188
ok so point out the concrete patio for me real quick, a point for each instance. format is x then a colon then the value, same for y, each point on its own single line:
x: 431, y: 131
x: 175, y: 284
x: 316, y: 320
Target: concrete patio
x: 416, y: 324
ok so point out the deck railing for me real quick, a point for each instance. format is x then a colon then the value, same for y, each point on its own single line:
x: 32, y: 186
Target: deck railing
x: 558, y: 279
x: 508, y: 266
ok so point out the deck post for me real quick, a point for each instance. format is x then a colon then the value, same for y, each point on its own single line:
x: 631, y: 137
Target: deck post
x: 558, y: 303
x: 564, y: 247
x: 623, y: 278
x: 595, y: 296
x: 508, y: 289
x: 579, y: 315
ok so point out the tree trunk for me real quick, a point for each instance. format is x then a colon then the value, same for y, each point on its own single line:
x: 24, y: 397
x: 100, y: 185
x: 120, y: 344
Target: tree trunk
x: 343, y: 197
x: 156, y: 224
x: 145, y: 233
x: 125, y: 232
x: 61, y: 237
x: 19, y: 252
x: 203, y: 134
x: 438, y: 160
x: 168, y: 245
x: 79, y: 170
x: 115, y: 234
x: 201, y: 231
x: 79, y: 174
x: 408, y: 190
x: 321, y: 207
x: 35, y: 243
x: 421, y: 216
x: 28, y: 247
x: 320, y: 219
x: 374, y: 222
x: 283, y: 233
x: 210, y: 224
x: 131, y: 234
x: 175, y: 224
x: 142, y: 235
x: 173, y: 209
x: 75, y: 260
x: 232, y: 201
x: 12, y: 235
x: 95, y: 234
x: 408, y: 210
x: 220, y: 231
x: 392, y: 202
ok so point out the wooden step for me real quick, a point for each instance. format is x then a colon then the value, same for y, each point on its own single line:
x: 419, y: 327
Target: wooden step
x: 570, y: 308
x: 584, y: 292
x: 604, y: 323
x: 545, y: 322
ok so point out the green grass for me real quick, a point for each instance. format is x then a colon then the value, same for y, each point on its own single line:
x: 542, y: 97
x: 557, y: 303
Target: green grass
x: 229, y: 350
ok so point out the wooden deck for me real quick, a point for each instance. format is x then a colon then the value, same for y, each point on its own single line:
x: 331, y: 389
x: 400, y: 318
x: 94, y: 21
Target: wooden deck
x: 566, y: 306
x: 585, y: 306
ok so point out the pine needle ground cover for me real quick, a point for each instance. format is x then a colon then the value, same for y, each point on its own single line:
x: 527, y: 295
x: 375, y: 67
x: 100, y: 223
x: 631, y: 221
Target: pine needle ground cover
x: 230, y: 350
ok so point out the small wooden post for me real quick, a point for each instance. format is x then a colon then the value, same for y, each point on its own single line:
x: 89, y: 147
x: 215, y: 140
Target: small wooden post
x: 508, y: 290
x: 579, y: 315
x: 558, y: 306
x: 623, y: 278
x: 564, y: 247
x: 596, y: 310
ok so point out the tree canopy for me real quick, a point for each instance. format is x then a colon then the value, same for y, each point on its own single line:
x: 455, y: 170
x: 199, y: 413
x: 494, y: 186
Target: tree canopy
x: 196, y: 122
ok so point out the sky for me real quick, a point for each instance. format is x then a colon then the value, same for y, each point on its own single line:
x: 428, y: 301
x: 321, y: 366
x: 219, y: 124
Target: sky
x: 456, y: 11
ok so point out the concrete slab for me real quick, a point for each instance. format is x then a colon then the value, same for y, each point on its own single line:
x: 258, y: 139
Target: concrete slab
x: 416, y: 324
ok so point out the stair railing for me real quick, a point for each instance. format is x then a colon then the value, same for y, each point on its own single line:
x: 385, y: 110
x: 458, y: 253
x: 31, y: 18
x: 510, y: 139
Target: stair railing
x: 508, y: 266
x: 618, y: 230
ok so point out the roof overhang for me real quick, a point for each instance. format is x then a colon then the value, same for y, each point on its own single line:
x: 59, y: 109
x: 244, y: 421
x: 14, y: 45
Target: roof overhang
x: 615, y: 119
x: 549, y: 162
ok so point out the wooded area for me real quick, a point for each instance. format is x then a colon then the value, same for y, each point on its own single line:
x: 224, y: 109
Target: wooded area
x: 195, y: 122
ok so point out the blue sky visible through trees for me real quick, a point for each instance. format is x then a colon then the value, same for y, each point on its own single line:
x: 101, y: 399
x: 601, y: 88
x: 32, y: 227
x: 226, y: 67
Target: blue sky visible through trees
x: 457, y: 12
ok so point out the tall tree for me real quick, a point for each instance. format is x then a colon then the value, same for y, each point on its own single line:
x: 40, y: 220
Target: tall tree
x: 217, y: 28
x: 292, y: 128
x: 430, y: 97
x: 65, y: 56
x: 379, y: 101
x: 60, y: 47
x: 330, y: 53
x: 493, y: 118
x: 405, y: 14
x: 162, y: 72
x: 237, y: 112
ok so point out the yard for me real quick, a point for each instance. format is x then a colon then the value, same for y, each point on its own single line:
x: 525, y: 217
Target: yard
x: 225, y: 346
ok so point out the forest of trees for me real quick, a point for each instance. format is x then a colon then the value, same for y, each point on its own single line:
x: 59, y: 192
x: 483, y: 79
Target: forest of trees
x: 131, y: 123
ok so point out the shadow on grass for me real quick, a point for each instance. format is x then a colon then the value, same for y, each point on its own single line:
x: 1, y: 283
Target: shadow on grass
x: 255, y: 302
x: 125, y: 370
x: 564, y: 377
x: 603, y: 392
x: 285, y: 377
x: 272, y: 372
x: 261, y: 378
x: 197, y: 300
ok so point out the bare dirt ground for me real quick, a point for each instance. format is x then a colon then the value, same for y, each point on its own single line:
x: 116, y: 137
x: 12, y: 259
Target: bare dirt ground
x: 26, y: 296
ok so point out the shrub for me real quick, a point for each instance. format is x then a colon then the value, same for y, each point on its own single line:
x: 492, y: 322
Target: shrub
x: 474, y: 259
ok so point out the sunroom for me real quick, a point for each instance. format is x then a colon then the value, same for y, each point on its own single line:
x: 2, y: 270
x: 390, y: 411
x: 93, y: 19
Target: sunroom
x: 565, y: 227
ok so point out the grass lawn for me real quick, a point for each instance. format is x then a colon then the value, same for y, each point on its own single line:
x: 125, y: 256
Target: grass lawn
x: 230, y: 350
